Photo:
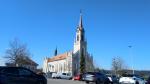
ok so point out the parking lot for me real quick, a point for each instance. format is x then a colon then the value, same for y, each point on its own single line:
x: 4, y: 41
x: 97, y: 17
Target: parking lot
x: 59, y: 81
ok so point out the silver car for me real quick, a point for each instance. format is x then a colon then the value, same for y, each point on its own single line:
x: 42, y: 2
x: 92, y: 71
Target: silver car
x: 96, y: 77
x: 131, y: 79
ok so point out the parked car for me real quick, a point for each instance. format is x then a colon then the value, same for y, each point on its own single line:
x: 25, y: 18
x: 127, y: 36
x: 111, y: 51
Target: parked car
x: 19, y: 75
x: 49, y: 74
x: 131, y: 79
x: 78, y: 77
x: 148, y: 80
x: 96, y: 77
x: 113, y: 79
x: 64, y: 76
x: 54, y: 75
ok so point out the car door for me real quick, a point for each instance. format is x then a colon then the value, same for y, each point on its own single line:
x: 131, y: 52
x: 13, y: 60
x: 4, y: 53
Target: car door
x: 27, y: 77
x: 11, y: 75
x: 63, y: 76
x: 101, y: 77
x: 141, y: 81
x: 69, y: 77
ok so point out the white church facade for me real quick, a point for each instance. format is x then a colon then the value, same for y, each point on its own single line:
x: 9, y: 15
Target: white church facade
x: 69, y: 62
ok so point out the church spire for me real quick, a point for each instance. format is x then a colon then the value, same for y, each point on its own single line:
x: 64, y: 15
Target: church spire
x: 80, y: 41
x: 80, y: 21
x: 55, y: 53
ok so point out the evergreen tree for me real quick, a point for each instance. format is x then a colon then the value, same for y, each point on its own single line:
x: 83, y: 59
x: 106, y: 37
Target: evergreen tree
x: 82, y: 63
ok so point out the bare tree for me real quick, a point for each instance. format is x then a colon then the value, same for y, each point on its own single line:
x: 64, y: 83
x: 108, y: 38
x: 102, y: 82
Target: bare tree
x: 17, y: 54
x: 97, y: 69
x: 118, y: 66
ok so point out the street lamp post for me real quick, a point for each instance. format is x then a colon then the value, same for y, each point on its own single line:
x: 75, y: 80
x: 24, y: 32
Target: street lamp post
x: 131, y: 55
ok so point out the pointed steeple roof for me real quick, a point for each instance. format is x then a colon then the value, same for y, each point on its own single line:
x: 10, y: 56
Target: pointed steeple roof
x: 80, y: 21
x: 55, y: 53
x: 80, y: 25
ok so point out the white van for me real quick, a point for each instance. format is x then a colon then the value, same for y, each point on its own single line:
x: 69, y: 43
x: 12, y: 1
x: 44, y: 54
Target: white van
x: 64, y: 76
x: 54, y: 75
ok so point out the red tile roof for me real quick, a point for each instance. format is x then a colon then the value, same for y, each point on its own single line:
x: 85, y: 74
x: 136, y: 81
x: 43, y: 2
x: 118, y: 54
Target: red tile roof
x: 58, y: 57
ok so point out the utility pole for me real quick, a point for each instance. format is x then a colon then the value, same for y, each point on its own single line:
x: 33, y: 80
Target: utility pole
x: 131, y: 56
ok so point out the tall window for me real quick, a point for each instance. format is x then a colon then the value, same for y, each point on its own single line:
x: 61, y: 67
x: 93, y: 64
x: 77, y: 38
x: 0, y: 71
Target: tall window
x: 82, y: 51
x: 82, y: 37
x: 77, y: 37
x: 64, y: 67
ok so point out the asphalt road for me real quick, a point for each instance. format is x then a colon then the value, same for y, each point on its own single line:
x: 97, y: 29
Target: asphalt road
x: 59, y: 81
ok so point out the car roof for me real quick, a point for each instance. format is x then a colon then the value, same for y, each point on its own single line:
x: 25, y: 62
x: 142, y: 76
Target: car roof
x: 130, y: 75
x: 94, y: 73
x: 2, y: 67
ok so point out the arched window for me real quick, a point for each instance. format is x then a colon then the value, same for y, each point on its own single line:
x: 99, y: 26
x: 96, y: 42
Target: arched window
x: 77, y: 37
x: 61, y: 68
x: 64, y: 67
x: 82, y: 37
x: 83, y: 51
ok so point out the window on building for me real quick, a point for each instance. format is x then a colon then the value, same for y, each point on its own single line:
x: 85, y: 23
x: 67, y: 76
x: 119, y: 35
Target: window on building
x: 76, y: 66
x: 82, y: 37
x: 82, y: 51
x: 64, y: 67
x: 61, y: 68
x: 77, y: 37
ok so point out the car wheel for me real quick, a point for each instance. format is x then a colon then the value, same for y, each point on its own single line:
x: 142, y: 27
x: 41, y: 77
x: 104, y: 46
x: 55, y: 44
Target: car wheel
x: 40, y: 82
x: 87, y: 82
x: 107, y: 82
x: 70, y: 78
x: 98, y: 82
x: 137, y: 82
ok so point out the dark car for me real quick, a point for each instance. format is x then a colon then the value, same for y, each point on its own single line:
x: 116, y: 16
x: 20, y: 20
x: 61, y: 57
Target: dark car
x: 113, y: 79
x: 96, y: 77
x: 20, y: 75
x: 148, y: 80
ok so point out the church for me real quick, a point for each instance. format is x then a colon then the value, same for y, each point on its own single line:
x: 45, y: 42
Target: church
x: 69, y: 62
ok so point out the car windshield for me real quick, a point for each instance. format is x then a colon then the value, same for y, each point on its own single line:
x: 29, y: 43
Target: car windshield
x: 64, y: 73
x: 92, y: 73
x: 109, y: 75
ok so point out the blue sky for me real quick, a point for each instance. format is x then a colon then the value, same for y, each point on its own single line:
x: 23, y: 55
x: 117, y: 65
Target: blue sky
x: 110, y: 25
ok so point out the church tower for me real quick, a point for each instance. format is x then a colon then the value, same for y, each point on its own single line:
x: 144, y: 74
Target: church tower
x: 80, y: 47
x: 80, y: 43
